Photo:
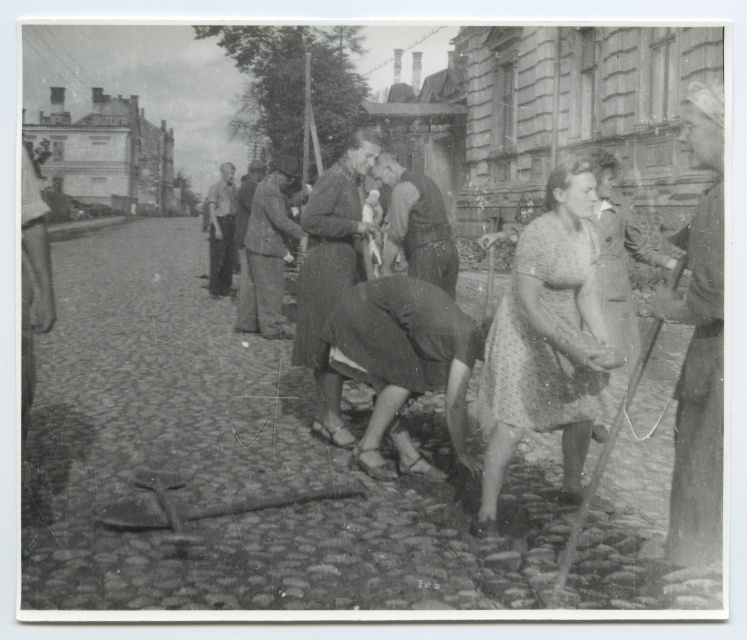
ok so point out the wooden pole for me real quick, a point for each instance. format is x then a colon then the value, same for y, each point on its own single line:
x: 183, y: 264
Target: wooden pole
x: 315, y: 140
x: 570, y: 551
x: 556, y: 102
x: 307, y: 121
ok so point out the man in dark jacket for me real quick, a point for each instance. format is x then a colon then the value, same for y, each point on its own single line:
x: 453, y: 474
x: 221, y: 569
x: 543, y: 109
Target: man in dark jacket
x: 246, y: 321
x: 268, y: 223
x: 418, y: 223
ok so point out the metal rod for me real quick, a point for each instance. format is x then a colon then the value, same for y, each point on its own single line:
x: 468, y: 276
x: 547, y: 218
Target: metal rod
x: 315, y: 140
x: 556, y: 102
x: 583, y: 512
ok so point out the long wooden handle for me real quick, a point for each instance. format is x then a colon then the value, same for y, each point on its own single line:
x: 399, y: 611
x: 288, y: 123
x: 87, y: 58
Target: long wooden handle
x: 635, y: 378
x: 243, y: 506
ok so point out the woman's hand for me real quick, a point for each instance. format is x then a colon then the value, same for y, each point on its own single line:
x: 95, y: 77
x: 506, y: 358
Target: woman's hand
x: 487, y: 240
x: 586, y: 357
x: 369, y: 227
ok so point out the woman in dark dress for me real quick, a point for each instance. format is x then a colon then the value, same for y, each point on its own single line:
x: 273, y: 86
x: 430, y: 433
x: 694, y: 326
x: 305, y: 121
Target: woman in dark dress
x: 402, y: 336
x: 333, y: 221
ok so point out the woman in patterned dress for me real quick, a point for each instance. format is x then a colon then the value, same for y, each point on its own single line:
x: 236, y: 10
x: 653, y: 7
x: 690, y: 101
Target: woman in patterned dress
x: 543, y: 371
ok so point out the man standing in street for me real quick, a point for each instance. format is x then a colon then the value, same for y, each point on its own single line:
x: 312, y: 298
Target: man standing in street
x: 268, y: 223
x: 418, y: 223
x: 222, y: 202
x: 35, y: 244
x: 245, y: 320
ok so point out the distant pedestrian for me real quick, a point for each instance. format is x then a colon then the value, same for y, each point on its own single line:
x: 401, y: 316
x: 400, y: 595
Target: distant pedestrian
x: 696, y: 509
x: 36, y: 251
x: 221, y: 200
x: 269, y: 223
x: 245, y: 320
x: 419, y: 224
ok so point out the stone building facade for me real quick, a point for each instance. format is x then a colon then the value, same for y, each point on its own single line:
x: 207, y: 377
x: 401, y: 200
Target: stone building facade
x: 112, y: 156
x: 535, y: 94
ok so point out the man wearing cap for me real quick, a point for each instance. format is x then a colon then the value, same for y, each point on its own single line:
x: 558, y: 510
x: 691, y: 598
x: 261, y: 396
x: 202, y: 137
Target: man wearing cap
x: 246, y: 322
x: 696, y: 507
x: 222, y: 202
x: 268, y: 223
x: 418, y: 224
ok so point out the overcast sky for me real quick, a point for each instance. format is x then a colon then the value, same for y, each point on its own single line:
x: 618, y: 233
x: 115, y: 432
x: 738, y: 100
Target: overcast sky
x: 189, y: 83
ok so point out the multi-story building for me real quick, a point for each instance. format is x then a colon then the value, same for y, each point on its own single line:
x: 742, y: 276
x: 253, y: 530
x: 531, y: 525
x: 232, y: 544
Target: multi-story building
x: 538, y: 94
x: 112, y: 156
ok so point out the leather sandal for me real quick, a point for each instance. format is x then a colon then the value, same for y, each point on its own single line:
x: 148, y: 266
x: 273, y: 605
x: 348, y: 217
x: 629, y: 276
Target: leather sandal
x: 318, y: 430
x: 384, y: 472
x: 430, y: 473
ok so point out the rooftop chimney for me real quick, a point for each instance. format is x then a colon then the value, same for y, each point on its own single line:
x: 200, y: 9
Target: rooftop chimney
x: 398, y: 65
x: 57, y: 99
x: 417, y: 67
x: 142, y: 113
x: 97, y: 99
x: 163, y: 125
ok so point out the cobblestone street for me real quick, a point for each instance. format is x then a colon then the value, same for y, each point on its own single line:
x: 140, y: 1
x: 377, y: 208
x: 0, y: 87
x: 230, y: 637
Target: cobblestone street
x: 143, y: 369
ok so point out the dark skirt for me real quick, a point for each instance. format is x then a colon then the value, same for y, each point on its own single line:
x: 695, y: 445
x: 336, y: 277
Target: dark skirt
x: 328, y: 270
x: 371, y: 338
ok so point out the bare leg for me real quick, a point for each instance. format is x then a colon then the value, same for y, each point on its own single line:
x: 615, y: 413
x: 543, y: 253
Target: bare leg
x: 498, y: 455
x: 329, y: 389
x: 576, y: 438
x: 390, y: 399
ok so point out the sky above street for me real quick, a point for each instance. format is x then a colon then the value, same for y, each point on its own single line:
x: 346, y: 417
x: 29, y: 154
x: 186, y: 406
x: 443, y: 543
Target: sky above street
x: 187, y: 82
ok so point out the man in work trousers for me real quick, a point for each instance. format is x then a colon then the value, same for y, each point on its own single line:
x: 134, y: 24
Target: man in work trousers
x: 418, y: 224
x: 36, y: 252
x: 222, y: 202
x: 268, y: 223
x: 245, y: 321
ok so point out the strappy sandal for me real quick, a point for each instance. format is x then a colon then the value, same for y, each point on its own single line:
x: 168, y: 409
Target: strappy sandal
x: 318, y: 430
x: 431, y: 474
x: 384, y: 471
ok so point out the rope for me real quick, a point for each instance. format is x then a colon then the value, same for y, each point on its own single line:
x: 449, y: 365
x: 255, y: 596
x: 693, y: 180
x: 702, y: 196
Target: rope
x: 656, y: 426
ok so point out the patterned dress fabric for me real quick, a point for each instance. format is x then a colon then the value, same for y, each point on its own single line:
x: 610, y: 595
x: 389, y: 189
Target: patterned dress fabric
x: 524, y: 381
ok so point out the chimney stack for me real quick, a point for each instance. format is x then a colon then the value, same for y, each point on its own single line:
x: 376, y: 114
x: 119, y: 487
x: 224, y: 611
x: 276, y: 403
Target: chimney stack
x: 97, y: 99
x: 163, y: 125
x: 417, y: 68
x: 57, y: 100
x: 398, y: 65
x: 142, y: 113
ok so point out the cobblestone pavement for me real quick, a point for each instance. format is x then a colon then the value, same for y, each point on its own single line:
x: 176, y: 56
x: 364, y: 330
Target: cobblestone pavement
x: 143, y: 369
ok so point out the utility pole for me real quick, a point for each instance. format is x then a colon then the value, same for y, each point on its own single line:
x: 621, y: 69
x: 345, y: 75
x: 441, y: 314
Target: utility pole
x: 307, y: 121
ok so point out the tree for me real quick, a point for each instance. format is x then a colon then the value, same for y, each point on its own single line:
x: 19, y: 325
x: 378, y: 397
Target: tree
x: 39, y: 154
x: 345, y: 40
x: 272, y: 104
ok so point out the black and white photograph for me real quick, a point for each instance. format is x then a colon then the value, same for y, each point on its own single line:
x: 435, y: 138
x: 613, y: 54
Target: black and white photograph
x: 369, y: 321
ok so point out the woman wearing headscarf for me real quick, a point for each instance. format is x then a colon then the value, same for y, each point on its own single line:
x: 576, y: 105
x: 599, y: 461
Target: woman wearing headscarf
x: 541, y: 370
x: 696, y: 508
x: 333, y: 220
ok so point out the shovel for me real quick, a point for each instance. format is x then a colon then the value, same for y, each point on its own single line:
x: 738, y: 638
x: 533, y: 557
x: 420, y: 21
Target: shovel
x: 160, y: 482
x: 144, y: 513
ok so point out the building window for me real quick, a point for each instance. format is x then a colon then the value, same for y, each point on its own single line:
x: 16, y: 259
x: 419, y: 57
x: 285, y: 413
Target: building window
x: 589, y: 88
x: 98, y: 180
x: 58, y: 184
x: 58, y: 150
x: 663, y: 75
x: 508, y: 138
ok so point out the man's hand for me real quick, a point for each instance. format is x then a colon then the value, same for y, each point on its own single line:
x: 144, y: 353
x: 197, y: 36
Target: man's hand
x: 368, y: 227
x: 218, y: 231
